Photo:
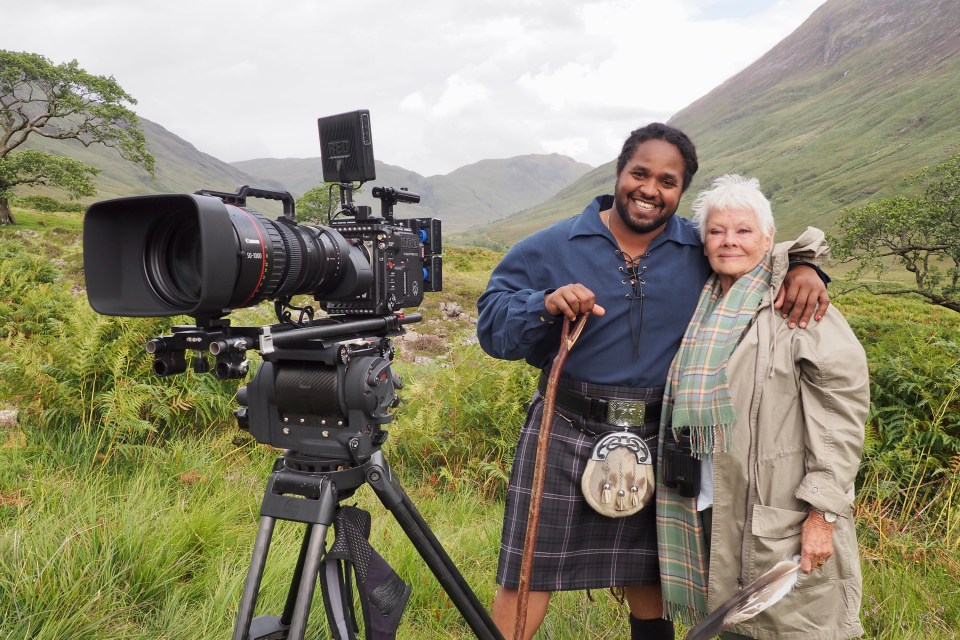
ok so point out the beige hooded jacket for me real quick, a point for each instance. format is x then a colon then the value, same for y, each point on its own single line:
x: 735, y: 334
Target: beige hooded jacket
x: 801, y: 397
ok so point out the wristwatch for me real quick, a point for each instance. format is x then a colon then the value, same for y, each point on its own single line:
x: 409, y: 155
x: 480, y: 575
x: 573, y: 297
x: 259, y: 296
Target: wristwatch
x: 828, y: 516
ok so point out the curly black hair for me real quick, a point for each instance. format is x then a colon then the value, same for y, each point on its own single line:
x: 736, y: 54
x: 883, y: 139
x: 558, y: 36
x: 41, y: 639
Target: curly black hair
x: 660, y: 131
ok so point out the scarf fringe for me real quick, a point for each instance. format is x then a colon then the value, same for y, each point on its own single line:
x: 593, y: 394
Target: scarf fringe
x: 683, y: 613
x: 707, y: 440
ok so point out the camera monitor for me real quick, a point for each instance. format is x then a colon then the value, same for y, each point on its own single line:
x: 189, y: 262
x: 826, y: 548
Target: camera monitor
x: 346, y: 144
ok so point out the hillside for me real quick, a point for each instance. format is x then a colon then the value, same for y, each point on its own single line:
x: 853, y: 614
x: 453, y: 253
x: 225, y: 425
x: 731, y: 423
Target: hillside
x: 469, y: 196
x: 180, y: 167
x: 472, y: 195
x: 861, y: 94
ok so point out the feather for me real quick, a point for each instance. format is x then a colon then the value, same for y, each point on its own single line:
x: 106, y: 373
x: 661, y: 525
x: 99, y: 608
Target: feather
x: 757, y: 596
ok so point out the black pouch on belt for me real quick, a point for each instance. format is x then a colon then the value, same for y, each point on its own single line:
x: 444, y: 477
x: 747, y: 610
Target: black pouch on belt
x: 681, y: 471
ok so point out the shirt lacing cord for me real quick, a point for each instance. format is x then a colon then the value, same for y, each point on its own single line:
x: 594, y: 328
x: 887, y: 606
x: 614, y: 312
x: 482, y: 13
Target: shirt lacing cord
x: 634, y: 271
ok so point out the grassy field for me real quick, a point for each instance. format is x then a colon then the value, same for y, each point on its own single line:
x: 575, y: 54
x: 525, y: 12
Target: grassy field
x: 129, y: 504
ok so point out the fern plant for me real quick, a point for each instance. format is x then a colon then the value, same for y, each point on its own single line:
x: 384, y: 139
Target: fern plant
x: 88, y: 375
x: 459, y: 419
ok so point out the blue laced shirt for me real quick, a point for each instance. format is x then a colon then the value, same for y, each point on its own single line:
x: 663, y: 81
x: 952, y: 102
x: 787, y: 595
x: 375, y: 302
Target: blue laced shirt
x: 647, y: 310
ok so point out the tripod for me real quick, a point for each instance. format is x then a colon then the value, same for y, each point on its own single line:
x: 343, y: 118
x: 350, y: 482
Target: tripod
x: 312, y: 498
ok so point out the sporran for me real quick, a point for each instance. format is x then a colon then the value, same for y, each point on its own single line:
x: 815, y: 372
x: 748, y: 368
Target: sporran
x: 619, y: 477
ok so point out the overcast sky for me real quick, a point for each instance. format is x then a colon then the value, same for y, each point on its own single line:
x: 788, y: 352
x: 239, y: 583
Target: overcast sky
x: 447, y: 82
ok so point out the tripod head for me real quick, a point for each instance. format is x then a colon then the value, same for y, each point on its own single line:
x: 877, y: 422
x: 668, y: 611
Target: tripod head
x: 323, y: 390
x: 326, y: 399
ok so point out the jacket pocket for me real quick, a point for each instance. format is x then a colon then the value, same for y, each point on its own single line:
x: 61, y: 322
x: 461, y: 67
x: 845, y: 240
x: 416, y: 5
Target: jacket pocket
x: 776, y: 536
x: 771, y: 522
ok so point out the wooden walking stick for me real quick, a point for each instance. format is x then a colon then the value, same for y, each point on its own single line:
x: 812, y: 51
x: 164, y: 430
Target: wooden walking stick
x: 568, y: 337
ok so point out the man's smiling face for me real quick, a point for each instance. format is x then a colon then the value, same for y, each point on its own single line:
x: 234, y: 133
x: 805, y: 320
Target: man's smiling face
x: 648, y: 189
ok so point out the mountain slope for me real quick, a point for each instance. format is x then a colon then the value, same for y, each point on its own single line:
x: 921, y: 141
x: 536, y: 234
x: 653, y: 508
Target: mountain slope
x: 861, y: 94
x: 180, y: 167
x: 472, y: 195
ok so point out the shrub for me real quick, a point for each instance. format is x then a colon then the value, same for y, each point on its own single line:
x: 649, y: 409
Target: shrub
x: 46, y: 203
x: 87, y: 375
x: 913, y: 353
x: 459, y: 421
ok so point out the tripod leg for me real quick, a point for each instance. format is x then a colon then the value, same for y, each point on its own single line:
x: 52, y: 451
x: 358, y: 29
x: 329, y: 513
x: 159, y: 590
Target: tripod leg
x: 393, y: 497
x: 297, y: 576
x: 308, y: 581
x: 254, y: 575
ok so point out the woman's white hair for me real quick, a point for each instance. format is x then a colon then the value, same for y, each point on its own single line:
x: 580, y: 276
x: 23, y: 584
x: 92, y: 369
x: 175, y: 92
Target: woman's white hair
x: 733, y: 192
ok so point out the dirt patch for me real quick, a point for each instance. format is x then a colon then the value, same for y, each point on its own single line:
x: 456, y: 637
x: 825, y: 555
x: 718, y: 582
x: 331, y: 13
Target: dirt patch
x: 15, y: 499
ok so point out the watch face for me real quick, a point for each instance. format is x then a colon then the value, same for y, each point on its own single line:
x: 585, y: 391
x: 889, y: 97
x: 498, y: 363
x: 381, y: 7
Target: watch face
x: 829, y: 517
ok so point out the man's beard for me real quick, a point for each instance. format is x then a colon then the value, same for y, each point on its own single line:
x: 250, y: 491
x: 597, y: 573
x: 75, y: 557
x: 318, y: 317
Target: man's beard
x: 637, y: 226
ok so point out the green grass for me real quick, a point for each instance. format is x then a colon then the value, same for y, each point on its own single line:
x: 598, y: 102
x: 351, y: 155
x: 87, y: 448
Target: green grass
x: 47, y: 222
x: 911, y: 564
x: 156, y: 546
x: 108, y: 552
x: 908, y: 600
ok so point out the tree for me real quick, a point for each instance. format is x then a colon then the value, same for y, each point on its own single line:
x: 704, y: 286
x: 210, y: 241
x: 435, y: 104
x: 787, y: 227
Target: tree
x: 315, y: 204
x: 61, y: 102
x: 920, y: 233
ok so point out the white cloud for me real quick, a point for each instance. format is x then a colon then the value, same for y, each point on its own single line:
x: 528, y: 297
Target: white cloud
x: 446, y: 83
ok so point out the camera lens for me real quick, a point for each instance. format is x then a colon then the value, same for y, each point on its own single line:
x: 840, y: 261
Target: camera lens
x: 172, y: 259
x: 293, y: 259
x: 272, y: 259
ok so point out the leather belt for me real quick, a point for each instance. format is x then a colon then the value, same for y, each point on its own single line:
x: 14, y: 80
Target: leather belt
x: 620, y: 413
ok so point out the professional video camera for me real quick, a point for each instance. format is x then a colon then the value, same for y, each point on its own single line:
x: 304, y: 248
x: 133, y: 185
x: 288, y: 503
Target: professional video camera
x: 203, y: 254
x: 325, y: 385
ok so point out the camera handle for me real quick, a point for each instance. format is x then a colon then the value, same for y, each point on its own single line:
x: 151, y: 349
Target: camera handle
x: 239, y: 198
x: 312, y: 498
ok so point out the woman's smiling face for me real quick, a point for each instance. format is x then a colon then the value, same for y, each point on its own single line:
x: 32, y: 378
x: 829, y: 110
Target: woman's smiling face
x: 734, y: 243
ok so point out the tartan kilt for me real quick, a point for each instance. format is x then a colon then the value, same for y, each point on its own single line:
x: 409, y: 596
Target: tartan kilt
x: 577, y: 548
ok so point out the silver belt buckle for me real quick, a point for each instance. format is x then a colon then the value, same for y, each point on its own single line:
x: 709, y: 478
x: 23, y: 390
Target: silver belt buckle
x: 626, y: 413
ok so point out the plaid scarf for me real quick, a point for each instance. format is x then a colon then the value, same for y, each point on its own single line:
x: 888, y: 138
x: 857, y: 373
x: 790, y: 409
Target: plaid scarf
x: 697, y: 396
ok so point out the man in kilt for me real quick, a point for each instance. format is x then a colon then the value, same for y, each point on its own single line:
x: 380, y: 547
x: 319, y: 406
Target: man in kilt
x: 638, y: 270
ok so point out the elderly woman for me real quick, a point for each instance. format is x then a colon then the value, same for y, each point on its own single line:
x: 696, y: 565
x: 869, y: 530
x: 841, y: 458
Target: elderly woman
x: 772, y: 419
